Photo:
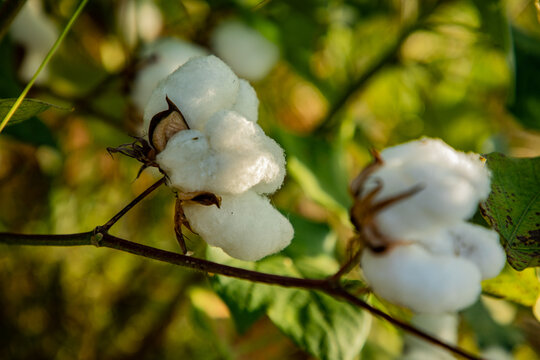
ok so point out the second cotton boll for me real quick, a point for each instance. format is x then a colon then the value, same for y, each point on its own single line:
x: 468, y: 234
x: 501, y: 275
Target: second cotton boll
x: 432, y: 261
x: 222, y: 151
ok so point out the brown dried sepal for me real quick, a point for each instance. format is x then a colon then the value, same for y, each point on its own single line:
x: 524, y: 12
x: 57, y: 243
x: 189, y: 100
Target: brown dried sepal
x: 365, y: 208
x: 198, y: 197
x: 140, y: 150
x: 164, y: 125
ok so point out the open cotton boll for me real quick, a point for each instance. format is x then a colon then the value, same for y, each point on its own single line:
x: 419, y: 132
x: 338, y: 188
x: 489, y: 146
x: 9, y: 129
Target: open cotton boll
x: 409, y: 275
x: 188, y: 161
x: 162, y: 57
x: 235, y: 155
x: 37, y: 34
x: 247, y: 102
x: 479, y: 245
x: 452, y: 185
x: 199, y: 88
x: 247, y: 156
x: 246, y: 227
x: 247, y: 52
x: 435, y: 151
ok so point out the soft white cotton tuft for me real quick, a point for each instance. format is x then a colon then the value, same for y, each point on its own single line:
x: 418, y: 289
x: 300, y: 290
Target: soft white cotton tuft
x: 246, y: 227
x: 247, y: 52
x: 37, y: 34
x: 247, y: 102
x: 235, y: 155
x: 188, y: 161
x: 410, y: 276
x: 199, y: 88
x: 248, y: 157
x: 481, y: 246
x: 452, y: 185
x: 161, y: 58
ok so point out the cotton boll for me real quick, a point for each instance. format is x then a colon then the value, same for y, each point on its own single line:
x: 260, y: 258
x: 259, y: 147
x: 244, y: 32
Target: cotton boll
x: 246, y: 227
x: 37, y: 34
x: 199, y: 88
x: 188, y: 161
x: 452, y: 184
x: 481, y: 246
x: 409, y: 275
x: 162, y: 57
x: 247, y: 52
x: 435, y: 151
x: 247, y: 157
x: 247, y: 102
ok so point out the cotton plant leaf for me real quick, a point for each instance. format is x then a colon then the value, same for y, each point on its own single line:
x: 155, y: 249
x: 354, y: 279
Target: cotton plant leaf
x: 27, y: 109
x: 513, y: 207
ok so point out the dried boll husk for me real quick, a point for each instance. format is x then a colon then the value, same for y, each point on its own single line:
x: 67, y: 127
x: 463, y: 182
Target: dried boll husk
x: 165, y: 125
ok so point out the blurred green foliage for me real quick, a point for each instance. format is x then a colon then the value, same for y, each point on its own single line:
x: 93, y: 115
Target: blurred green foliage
x: 387, y: 71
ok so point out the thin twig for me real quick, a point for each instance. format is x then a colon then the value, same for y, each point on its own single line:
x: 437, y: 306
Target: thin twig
x: 128, y: 207
x: 324, y: 285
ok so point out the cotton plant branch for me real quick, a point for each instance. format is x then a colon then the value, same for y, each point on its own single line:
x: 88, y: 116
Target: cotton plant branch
x: 100, y: 237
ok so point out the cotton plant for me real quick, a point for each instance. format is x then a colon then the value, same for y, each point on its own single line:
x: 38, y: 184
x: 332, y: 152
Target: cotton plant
x: 412, y: 207
x: 244, y: 49
x: 37, y: 33
x: 202, y: 133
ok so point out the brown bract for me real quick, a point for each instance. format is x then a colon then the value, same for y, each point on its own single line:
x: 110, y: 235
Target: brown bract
x: 365, y: 208
x: 164, y: 125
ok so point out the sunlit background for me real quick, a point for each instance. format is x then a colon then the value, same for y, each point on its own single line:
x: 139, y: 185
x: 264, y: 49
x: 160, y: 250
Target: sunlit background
x: 385, y: 71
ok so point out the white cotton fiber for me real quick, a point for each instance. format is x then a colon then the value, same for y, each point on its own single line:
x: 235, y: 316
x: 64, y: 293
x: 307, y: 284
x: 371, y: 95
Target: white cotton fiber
x: 247, y: 157
x: 233, y: 156
x: 247, y: 102
x: 246, y: 227
x: 247, y: 52
x: 188, y: 161
x: 160, y: 59
x: 37, y: 34
x: 452, y: 185
x: 199, y: 88
x: 409, y: 275
x: 481, y: 246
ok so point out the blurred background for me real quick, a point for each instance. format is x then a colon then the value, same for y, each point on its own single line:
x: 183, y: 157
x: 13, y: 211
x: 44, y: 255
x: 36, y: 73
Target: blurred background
x: 351, y: 75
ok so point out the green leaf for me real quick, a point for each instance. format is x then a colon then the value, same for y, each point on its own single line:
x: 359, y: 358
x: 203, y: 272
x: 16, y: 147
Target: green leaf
x: 513, y: 207
x: 325, y: 327
x: 319, y: 324
x: 27, y: 109
x: 521, y: 287
x: 526, y: 100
